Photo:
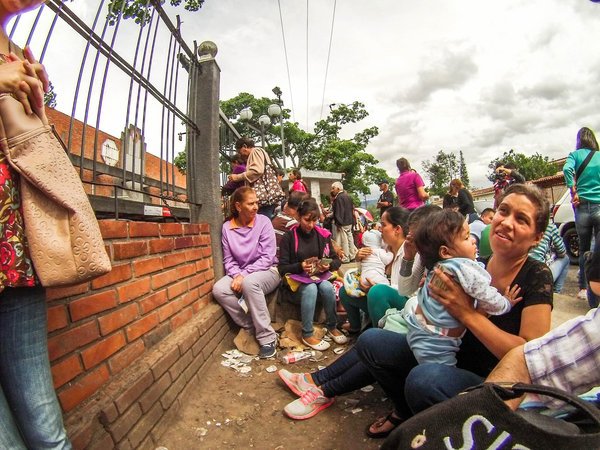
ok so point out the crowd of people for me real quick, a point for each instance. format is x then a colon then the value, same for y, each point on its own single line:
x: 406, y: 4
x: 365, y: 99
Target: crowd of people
x: 443, y: 297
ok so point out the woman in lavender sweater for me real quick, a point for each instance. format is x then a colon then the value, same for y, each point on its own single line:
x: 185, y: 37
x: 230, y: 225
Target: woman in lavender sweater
x: 250, y: 269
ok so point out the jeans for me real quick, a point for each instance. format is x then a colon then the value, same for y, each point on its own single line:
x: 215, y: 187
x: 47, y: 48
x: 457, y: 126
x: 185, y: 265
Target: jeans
x: 429, y: 384
x: 587, y: 221
x: 254, y: 288
x: 307, y: 294
x: 387, y: 356
x: 30, y: 416
x: 559, y: 268
x: 345, y: 374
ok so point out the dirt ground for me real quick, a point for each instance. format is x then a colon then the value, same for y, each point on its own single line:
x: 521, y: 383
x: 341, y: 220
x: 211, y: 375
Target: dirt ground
x: 234, y: 411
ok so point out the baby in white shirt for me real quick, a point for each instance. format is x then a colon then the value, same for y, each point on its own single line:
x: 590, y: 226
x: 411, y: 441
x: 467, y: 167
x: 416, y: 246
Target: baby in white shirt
x: 372, y: 268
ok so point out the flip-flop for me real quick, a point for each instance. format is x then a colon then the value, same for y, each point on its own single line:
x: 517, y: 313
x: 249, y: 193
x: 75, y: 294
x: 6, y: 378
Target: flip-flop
x: 383, y: 434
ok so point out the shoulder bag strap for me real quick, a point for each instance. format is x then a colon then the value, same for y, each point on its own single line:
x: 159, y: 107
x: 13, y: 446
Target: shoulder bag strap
x: 584, y: 164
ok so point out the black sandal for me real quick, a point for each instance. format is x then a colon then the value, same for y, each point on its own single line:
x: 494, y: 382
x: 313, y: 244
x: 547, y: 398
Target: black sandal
x: 379, y: 422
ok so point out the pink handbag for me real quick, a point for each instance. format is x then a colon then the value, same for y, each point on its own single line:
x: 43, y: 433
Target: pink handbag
x: 65, y: 241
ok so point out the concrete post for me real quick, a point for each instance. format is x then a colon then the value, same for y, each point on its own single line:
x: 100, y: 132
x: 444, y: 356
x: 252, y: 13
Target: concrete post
x: 203, y: 152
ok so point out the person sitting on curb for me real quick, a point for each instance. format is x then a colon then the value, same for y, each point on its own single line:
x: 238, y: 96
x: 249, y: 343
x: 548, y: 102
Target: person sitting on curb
x: 306, y: 257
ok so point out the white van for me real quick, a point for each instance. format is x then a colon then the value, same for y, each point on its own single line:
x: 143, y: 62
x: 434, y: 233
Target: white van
x: 564, y: 218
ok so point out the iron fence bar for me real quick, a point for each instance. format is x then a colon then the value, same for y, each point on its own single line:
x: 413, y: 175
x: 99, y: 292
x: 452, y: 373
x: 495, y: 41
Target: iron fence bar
x: 164, y: 140
x: 174, y: 31
x: 50, y: 32
x: 101, y: 96
x: 35, y: 22
x: 177, y: 67
x: 80, y: 27
x: 14, y: 27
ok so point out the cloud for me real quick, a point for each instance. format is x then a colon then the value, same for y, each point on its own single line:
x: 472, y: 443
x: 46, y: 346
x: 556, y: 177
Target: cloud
x: 550, y: 90
x: 451, y: 71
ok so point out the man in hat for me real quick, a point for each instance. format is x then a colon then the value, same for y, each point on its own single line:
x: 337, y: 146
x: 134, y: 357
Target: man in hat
x: 386, y: 199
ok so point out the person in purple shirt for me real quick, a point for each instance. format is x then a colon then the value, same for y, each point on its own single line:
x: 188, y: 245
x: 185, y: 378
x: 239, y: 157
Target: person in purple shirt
x: 250, y: 269
x: 409, y: 186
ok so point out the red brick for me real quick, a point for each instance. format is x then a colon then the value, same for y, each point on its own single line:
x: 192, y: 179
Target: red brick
x: 151, y: 396
x: 187, y: 271
x: 205, y: 240
x: 116, y: 275
x: 209, y: 275
x: 117, y: 319
x: 175, y: 290
x: 82, y: 437
x: 129, y: 250
x: 143, y: 229
x: 141, y: 429
x: 161, y: 245
x: 134, y: 389
x: 57, y: 318
x: 83, y: 388
x: 200, y: 304
x: 204, y: 228
x: 205, y: 289
x: 190, y: 297
x: 142, y: 326
x: 113, y: 229
x: 171, y: 229
x: 124, y: 423
x: 133, y: 289
x: 126, y: 356
x: 193, y: 254
x: 181, y: 318
x: 203, y: 264
x: 173, y: 259
x: 184, y: 242
x: 153, y: 301
x: 196, y: 280
x: 191, y: 228
x: 147, y: 266
x: 66, y: 370
x: 72, y: 339
x: 169, y: 309
x: 64, y: 292
x: 162, y: 279
x: 92, y: 304
x: 102, y: 350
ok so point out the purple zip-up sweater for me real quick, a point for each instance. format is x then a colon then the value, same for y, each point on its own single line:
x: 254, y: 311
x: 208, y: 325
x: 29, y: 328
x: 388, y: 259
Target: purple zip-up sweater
x: 248, y: 249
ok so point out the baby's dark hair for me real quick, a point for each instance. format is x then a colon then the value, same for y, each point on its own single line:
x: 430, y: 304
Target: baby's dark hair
x: 421, y: 214
x: 440, y: 228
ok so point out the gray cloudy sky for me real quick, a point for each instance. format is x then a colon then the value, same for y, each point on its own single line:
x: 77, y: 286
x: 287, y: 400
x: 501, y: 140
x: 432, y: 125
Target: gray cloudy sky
x: 479, y: 76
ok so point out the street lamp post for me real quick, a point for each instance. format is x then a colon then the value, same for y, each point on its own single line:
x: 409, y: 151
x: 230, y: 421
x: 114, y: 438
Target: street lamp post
x: 277, y: 110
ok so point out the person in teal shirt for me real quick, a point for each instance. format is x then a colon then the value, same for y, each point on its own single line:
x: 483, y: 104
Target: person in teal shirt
x: 585, y: 194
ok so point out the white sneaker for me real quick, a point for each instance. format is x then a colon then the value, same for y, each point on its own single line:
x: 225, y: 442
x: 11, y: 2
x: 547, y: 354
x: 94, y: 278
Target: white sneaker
x: 310, y: 404
x: 339, y: 338
x: 582, y: 294
x: 295, y: 381
x: 321, y: 346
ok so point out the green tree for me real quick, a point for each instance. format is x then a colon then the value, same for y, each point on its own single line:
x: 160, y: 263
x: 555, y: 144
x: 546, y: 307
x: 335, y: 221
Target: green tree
x: 441, y: 171
x: 141, y: 10
x: 50, y: 96
x: 462, y: 171
x: 321, y: 150
x: 531, y: 167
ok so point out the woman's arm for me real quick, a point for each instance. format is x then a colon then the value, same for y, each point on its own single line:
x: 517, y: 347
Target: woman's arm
x: 535, y: 319
x: 267, y: 246
x: 255, y: 167
x: 423, y: 195
x: 230, y: 264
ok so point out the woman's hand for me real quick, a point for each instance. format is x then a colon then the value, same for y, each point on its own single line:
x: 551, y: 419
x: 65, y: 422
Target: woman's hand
x: 18, y: 78
x: 363, y: 253
x: 38, y: 68
x: 451, y: 296
x: 236, y: 284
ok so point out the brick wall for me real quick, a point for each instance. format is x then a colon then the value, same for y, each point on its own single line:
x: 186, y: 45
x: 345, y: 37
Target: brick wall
x: 133, y: 331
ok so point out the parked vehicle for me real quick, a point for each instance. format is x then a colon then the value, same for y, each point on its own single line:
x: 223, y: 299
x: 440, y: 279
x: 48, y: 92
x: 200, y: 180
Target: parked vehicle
x: 564, y: 218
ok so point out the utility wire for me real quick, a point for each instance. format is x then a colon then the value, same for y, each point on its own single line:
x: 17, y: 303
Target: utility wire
x: 328, y: 55
x: 287, y: 64
x: 307, y: 90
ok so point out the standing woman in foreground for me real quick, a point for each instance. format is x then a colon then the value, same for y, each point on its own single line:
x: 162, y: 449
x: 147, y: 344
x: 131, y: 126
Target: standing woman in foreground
x: 30, y: 416
x: 409, y: 186
x: 582, y: 175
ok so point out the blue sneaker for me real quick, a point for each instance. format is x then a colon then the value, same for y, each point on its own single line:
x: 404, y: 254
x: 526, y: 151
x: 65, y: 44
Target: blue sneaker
x: 268, y: 350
